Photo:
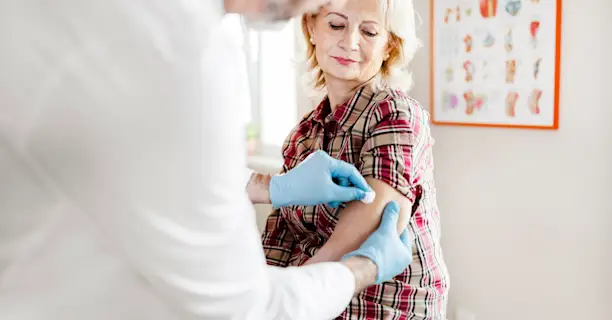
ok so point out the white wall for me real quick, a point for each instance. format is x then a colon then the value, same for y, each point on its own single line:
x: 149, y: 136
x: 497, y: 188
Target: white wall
x: 527, y: 215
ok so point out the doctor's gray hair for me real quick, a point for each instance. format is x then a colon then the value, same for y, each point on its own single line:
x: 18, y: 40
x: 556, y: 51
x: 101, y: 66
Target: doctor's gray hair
x: 400, y: 21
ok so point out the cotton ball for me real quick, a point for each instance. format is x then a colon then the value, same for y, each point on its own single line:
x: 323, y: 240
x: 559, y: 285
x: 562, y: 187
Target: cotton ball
x: 369, y: 197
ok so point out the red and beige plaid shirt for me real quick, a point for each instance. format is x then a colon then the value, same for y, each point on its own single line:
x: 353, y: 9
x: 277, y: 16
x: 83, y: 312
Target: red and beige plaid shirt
x: 386, y: 135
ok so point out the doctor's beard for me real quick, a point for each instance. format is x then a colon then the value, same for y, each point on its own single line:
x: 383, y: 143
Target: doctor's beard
x: 272, y: 13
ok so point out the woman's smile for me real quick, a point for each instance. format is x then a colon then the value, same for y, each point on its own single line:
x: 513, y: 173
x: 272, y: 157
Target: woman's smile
x: 344, y: 61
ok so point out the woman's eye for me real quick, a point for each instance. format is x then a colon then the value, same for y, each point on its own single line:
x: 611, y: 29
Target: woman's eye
x: 336, y: 26
x: 369, y: 34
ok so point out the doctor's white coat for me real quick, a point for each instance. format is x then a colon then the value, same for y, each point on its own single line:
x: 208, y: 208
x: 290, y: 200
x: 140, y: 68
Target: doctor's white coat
x: 121, y: 181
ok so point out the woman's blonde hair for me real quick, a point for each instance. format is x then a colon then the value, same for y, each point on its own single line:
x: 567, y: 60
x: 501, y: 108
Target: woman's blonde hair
x: 403, y: 42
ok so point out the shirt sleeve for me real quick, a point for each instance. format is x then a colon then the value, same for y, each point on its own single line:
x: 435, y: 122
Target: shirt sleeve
x: 278, y: 241
x: 393, y: 146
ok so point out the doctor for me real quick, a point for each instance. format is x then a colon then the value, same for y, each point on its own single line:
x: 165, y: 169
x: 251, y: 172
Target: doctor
x: 121, y: 188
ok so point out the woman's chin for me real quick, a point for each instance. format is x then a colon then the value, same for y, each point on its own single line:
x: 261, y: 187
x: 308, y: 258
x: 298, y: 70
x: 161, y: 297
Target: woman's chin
x: 346, y: 74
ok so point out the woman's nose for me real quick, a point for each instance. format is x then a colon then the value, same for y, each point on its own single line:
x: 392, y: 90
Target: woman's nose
x: 350, y: 41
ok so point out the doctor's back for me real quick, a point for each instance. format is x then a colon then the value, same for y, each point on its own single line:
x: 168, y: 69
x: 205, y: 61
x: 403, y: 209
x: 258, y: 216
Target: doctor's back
x: 92, y: 157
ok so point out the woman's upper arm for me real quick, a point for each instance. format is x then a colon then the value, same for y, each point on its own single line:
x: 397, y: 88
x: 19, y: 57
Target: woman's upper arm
x: 358, y: 220
x: 394, y: 140
x: 395, y: 146
x: 395, y: 152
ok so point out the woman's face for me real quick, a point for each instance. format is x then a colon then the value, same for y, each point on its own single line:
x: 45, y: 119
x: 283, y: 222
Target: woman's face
x: 350, y: 40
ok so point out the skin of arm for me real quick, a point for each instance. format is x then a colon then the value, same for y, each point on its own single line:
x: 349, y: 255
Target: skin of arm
x: 258, y: 188
x: 364, y: 270
x: 359, y: 220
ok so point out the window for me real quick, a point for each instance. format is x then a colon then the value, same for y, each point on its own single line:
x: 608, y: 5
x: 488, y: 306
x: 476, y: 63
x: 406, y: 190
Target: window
x: 270, y: 57
x: 277, y: 85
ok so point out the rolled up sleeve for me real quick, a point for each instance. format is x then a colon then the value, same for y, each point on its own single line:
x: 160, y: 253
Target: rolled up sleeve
x: 389, y: 150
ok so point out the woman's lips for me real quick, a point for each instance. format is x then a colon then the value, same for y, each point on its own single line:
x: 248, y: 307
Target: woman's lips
x: 343, y: 61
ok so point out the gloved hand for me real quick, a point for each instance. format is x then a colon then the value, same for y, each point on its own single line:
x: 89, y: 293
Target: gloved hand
x: 312, y: 183
x: 343, y: 182
x: 392, y: 253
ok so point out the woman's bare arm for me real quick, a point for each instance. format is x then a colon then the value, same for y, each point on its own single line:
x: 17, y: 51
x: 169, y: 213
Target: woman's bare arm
x: 358, y: 220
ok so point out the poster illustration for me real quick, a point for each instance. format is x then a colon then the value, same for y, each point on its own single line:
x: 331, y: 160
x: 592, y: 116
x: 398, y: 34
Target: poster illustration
x: 495, y: 63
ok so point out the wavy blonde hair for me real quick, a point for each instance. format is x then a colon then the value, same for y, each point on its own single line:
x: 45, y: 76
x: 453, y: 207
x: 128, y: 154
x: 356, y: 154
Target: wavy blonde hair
x: 400, y: 22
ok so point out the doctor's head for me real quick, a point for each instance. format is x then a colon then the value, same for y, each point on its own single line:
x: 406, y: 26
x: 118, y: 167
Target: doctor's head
x: 358, y: 41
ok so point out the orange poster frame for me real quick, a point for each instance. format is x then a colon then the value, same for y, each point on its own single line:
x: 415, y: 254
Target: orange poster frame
x: 557, y: 66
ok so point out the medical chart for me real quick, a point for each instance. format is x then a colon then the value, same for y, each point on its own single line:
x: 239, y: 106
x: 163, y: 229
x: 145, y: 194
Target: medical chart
x: 495, y: 62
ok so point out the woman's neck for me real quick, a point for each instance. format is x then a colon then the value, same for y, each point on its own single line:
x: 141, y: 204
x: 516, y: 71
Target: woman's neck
x: 339, y: 91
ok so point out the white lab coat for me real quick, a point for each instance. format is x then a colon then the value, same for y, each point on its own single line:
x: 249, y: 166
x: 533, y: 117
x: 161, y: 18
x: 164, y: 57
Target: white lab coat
x: 121, y: 189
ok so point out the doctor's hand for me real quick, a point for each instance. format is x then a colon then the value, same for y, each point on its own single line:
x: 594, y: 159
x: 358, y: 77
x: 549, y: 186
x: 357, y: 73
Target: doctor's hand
x: 391, y: 252
x: 313, y: 182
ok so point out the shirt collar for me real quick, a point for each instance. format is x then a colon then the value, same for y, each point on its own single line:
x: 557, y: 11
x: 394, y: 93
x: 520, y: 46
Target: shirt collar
x: 346, y: 114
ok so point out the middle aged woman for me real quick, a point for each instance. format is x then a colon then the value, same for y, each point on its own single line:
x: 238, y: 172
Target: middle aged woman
x: 358, y: 55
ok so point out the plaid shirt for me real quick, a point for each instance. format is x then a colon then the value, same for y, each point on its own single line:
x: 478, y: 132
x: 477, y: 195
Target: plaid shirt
x: 386, y: 136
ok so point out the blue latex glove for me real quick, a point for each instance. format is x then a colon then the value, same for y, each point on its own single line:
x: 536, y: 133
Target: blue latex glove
x: 343, y: 182
x: 391, y: 252
x: 312, y: 183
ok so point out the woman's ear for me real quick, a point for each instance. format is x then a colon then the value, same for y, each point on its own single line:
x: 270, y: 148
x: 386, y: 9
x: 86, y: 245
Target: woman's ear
x: 393, y: 47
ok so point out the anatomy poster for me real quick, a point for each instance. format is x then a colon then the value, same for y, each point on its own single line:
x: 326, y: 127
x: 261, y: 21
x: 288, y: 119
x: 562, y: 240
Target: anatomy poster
x: 496, y: 62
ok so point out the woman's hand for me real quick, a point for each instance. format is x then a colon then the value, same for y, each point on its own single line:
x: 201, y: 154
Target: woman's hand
x: 312, y: 182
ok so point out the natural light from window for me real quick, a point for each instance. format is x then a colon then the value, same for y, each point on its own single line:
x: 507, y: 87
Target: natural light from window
x: 278, y: 102
x: 271, y: 64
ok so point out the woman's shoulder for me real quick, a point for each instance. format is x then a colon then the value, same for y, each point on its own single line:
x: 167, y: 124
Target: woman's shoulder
x: 398, y: 103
